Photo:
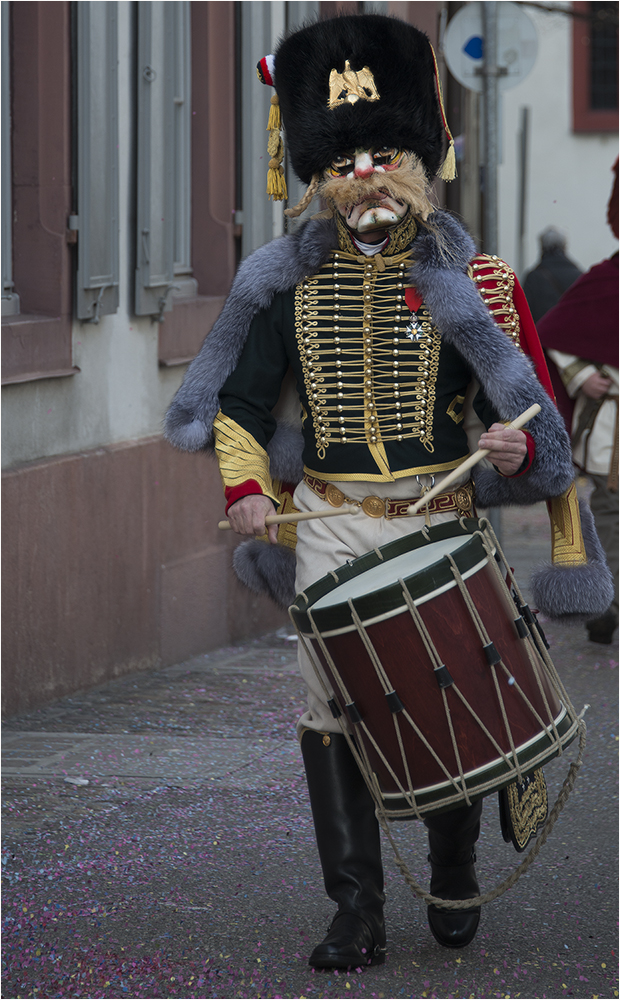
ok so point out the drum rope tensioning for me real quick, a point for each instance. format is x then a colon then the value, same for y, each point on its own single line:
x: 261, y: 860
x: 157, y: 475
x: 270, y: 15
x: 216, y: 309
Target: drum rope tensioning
x: 499, y: 890
x: 456, y: 781
x: 563, y: 795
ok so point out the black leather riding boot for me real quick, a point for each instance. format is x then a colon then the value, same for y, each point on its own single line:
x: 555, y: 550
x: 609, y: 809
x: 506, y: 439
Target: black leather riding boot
x: 451, y: 838
x: 347, y: 835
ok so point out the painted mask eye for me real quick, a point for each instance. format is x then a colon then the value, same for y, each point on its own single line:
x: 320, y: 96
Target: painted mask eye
x: 386, y: 156
x: 341, y: 166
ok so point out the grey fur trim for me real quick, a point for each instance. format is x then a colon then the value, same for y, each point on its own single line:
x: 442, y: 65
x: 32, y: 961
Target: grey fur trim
x: 506, y: 375
x: 267, y: 568
x: 285, y: 450
x: 577, y: 593
x: 273, y: 268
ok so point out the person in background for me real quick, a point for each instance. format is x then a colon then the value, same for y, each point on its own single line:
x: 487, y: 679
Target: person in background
x: 580, y: 337
x: 546, y: 283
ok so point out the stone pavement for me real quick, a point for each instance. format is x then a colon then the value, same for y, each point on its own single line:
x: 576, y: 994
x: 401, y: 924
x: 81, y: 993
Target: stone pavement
x: 157, y: 842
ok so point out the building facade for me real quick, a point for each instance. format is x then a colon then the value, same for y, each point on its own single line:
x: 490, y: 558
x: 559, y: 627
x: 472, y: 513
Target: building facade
x: 134, y: 171
x: 558, y: 132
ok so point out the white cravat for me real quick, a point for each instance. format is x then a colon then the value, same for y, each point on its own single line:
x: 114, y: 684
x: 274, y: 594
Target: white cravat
x: 370, y: 249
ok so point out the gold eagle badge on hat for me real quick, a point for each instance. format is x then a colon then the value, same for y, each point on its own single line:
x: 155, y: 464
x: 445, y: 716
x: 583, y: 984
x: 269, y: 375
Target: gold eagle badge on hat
x: 351, y: 86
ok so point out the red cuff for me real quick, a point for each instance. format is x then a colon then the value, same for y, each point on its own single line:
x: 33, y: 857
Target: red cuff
x: 529, y: 458
x: 248, y: 488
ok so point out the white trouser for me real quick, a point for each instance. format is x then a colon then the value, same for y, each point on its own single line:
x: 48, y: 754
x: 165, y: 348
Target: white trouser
x: 323, y: 545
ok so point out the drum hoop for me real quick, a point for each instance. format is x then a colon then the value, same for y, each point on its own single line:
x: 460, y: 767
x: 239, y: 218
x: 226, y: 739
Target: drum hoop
x: 401, y: 609
x: 490, y: 770
x: 438, y: 574
x: 354, y: 567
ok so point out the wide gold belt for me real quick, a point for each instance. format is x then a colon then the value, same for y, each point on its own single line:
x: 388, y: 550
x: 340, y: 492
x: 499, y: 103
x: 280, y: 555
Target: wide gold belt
x: 460, y: 500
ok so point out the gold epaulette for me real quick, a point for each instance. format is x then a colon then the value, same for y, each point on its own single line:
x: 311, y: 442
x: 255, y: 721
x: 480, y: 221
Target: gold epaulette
x: 496, y: 281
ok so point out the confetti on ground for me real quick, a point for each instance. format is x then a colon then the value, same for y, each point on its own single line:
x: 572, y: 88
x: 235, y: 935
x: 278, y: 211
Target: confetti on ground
x: 131, y: 887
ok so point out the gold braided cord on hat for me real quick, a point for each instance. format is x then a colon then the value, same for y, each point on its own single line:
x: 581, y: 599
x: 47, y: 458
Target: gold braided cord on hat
x: 276, y: 182
x: 306, y: 198
x: 447, y: 171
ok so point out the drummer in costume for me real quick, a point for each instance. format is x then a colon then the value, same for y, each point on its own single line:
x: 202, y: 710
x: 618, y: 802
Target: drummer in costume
x: 403, y: 349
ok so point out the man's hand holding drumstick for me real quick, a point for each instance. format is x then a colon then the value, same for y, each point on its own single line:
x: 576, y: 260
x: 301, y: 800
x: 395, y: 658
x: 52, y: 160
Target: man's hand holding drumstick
x: 258, y: 519
x: 506, y: 446
x: 247, y: 516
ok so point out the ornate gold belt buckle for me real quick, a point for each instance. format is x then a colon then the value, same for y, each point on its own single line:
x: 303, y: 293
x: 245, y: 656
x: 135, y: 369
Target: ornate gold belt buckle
x: 462, y: 500
x: 373, y: 506
x: 333, y: 495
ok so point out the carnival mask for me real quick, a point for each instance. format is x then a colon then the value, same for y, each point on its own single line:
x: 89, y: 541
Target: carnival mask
x: 372, y: 189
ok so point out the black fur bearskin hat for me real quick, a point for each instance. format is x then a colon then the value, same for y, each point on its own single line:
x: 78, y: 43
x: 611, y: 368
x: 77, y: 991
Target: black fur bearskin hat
x: 400, y: 108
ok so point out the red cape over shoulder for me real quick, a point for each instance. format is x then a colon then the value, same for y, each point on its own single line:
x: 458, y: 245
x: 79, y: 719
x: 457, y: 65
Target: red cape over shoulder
x: 585, y: 320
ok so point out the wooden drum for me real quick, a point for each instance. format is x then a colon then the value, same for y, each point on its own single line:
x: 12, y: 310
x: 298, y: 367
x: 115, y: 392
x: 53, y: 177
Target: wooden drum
x: 439, y: 671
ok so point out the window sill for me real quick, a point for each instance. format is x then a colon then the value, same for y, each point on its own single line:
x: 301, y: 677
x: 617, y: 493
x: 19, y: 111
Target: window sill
x: 10, y: 305
x: 595, y: 121
x: 36, y: 347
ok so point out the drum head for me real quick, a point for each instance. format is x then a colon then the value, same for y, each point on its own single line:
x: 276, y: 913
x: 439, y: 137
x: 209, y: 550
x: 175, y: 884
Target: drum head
x: 371, y: 581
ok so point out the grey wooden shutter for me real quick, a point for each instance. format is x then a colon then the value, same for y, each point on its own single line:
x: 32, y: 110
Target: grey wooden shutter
x: 182, y: 137
x: 97, y: 155
x: 155, y: 183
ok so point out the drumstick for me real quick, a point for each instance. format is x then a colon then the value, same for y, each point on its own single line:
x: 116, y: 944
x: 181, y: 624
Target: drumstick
x: 298, y: 515
x: 515, y: 424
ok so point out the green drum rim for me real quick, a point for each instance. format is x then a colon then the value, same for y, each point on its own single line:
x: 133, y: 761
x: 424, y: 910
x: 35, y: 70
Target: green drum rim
x: 389, y: 598
x: 538, y: 753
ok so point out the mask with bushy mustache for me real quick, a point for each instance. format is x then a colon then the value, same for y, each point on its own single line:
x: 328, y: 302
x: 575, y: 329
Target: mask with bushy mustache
x: 374, y: 190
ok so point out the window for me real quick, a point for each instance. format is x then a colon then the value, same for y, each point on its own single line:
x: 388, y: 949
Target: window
x: 595, y: 67
x: 36, y: 339
x: 204, y: 254
x: 604, y: 57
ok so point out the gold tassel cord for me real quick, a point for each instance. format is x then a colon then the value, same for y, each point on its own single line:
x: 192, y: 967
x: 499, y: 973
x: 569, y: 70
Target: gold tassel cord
x: 276, y: 182
x: 447, y: 171
x: 275, y: 118
x: 275, y: 147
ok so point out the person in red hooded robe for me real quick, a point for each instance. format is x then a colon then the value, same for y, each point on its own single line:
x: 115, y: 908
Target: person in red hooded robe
x: 580, y: 337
